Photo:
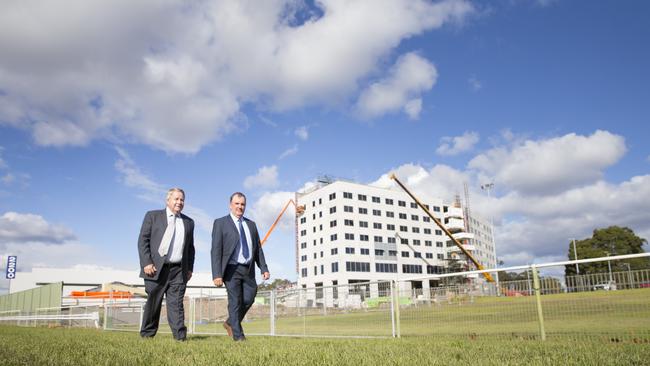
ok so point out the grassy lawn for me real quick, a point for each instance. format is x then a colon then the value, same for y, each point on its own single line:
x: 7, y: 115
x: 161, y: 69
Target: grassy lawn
x: 59, y: 346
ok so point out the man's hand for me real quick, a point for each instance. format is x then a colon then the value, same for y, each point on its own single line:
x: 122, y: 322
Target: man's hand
x: 266, y: 276
x: 149, y: 270
x: 218, y: 281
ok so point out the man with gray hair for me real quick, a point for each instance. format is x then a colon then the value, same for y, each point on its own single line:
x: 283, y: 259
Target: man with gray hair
x: 166, y: 249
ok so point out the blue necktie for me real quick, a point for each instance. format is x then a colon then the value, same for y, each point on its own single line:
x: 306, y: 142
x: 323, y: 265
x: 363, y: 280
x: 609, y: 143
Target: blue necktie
x: 243, y: 241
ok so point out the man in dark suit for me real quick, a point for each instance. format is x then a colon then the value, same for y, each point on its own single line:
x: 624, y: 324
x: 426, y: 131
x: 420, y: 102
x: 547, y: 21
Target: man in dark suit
x: 166, y: 249
x: 235, y: 250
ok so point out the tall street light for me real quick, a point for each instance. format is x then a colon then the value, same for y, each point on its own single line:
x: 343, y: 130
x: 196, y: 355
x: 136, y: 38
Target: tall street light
x: 488, y: 188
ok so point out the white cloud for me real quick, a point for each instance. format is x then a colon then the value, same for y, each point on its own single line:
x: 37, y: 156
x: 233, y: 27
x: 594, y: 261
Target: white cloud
x: 18, y: 227
x: 474, y: 83
x: 458, y: 144
x: 132, y: 176
x: 288, y: 152
x: 533, y: 227
x: 552, y: 165
x: 266, y: 177
x: 409, y: 77
x: 173, y: 75
x: 302, y: 132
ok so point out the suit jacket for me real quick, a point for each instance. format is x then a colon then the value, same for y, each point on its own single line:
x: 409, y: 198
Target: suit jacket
x: 151, y: 234
x: 225, y: 240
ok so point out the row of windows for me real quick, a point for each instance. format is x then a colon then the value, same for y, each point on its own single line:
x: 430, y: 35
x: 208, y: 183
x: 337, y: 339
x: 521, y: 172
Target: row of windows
x: 379, y: 267
x: 378, y: 252
x: 377, y: 226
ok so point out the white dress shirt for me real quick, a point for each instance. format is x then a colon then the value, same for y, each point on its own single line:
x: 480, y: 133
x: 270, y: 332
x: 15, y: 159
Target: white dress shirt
x: 175, y: 253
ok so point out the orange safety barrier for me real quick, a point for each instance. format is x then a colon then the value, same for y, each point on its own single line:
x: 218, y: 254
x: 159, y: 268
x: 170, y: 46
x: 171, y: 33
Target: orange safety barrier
x: 102, y: 294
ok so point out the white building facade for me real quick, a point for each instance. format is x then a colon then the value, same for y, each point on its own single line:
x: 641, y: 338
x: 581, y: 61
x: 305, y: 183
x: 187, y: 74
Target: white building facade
x: 351, y: 233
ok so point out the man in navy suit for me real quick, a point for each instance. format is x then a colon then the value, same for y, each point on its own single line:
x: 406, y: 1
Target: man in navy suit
x: 235, y: 250
x: 166, y: 249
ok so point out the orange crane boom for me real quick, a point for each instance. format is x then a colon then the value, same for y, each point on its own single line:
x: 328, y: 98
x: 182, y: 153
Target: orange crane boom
x: 454, y: 240
x: 299, y: 211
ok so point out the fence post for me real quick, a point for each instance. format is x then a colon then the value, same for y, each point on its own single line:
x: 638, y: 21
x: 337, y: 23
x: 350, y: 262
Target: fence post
x: 272, y: 311
x: 395, y: 306
x: 538, y: 299
x: 105, y: 316
x: 192, y: 314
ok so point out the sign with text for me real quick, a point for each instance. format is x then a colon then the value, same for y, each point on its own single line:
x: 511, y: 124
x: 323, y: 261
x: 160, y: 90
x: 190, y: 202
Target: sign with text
x: 11, y: 267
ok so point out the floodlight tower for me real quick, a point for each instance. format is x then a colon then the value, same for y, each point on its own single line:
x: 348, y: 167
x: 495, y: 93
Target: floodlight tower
x: 488, y: 188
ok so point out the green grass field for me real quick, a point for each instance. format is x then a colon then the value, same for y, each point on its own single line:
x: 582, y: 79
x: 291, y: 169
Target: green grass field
x: 61, y: 346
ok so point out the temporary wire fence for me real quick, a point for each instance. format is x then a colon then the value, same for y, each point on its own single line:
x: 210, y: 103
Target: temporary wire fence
x: 614, y: 306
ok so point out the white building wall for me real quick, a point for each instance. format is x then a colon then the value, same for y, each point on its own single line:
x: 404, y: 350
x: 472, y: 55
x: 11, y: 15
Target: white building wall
x: 316, y: 242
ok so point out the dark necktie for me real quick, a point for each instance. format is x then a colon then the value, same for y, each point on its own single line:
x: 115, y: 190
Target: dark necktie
x: 243, y: 241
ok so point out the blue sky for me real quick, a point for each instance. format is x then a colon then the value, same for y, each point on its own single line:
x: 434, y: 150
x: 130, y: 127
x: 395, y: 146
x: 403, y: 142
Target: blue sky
x: 104, y: 107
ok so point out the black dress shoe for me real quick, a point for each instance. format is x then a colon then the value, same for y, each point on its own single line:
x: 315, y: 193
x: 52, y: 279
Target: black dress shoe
x: 181, y: 340
x: 240, y: 339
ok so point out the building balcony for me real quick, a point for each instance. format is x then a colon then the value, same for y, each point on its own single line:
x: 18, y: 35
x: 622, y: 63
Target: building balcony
x: 454, y: 212
x: 455, y: 225
x: 463, y: 235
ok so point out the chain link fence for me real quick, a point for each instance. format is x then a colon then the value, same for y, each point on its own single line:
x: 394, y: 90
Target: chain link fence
x: 613, y: 305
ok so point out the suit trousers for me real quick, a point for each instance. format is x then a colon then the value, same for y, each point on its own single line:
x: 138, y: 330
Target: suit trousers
x: 241, y: 288
x: 170, y: 284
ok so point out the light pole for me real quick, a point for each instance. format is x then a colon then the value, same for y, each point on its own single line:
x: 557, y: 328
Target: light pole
x: 488, y: 188
x: 609, y: 265
x: 575, y: 256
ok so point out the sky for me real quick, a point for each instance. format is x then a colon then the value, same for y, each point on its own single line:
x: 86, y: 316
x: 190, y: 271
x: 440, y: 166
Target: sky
x: 105, y: 105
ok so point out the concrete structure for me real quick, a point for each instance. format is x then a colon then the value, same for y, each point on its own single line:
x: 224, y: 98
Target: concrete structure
x: 351, y: 233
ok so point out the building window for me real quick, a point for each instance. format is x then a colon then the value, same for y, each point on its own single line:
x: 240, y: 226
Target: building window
x: 376, y: 212
x: 348, y: 222
x: 335, y: 267
x: 439, y: 244
x: 379, y: 252
x: 435, y: 270
x: 416, y: 241
x: 411, y: 268
x: 363, y: 211
x: 405, y: 254
x: 349, y: 250
x: 402, y: 216
x: 386, y: 267
x: 303, y: 258
x: 363, y: 237
x: 320, y: 227
x: 403, y: 229
x: 415, y: 229
x: 404, y: 240
x: 332, y: 196
x: 427, y: 231
x: 348, y: 209
x: 441, y: 256
x: 415, y: 217
x: 376, y: 199
x: 438, y: 232
x: 389, y: 201
x: 361, y: 197
x: 376, y: 225
x: 391, y: 240
x: 347, y: 195
x: 320, y: 201
x: 349, y: 236
x: 322, y: 269
x: 333, y: 223
x: 333, y: 237
x: 303, y: 245
x: 363, y: 223
x: 392, y: 253
x: 334, y: 251
x: 365, y: 251
x: 303, y: 232
x: 390, y: 227
x: 428, y: 243
x: 315, y: 256
x: 332, y: 209
x: 429, y: 255
x: 378, y: 239
x: 401, y: 203
x: 315, y: 270
x: 321, y: 254
x: 436, y: 209
x: 390, y: 214
x: 414, y: 205
x: 426, y: 219
x: 303, y: 220
x: 417, y: 255
x: 357, y: 266
x: 303, y: 272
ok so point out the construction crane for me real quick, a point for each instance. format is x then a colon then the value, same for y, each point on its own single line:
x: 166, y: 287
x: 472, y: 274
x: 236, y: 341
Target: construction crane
x: 478, y: 265
x: 299, y: 211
